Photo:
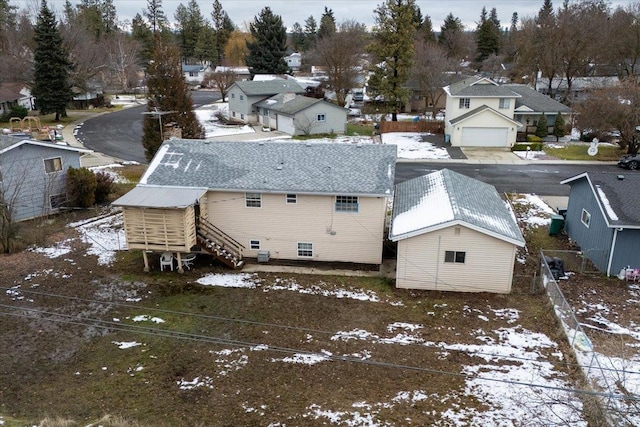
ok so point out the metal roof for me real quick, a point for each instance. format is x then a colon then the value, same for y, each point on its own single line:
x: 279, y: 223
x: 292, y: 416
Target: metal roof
x: 160, y: 197
x: 268, y: 87
x: 445, y: 198
x: 278, y: 167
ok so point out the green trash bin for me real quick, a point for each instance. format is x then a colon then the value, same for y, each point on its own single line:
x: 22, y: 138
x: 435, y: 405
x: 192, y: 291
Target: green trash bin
x: 557, y: 222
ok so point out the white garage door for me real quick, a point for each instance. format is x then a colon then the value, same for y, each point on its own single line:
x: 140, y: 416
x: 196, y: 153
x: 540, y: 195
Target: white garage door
x: 285, y: 124
x: 484, y: 137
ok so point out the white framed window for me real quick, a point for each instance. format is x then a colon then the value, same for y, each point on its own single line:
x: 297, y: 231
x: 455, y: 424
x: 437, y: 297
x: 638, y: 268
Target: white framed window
x: 53, y: 164
x: 585, y: 218
x: 253, y: 200
x: 242, y: 116
x: 241, y: 97
x: 505, y: 103
x: 233, y: 113
x: 465, y: 103
x: 254, y: 245
x: 58, y: 200
x: 233, y: 96
x: 292, y: 199
x: 347, y: 204
x: 457, y: 257
x: 321, y: 118
x: 305, y: 249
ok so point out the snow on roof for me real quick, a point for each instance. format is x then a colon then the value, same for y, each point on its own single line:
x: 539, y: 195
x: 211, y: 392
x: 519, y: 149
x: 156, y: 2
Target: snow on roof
x: 606, y: 204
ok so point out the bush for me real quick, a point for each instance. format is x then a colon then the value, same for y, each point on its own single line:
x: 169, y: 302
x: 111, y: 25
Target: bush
x: 104, y: 186
x: 533, y: 138
x: 542, y: 129
x: 535, y: 146
x: 16, y: 111
x: 81, y: 187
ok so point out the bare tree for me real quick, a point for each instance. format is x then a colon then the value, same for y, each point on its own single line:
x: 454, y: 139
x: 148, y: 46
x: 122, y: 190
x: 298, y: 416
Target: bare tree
x: 222, y: 80
x: 624, y: 43
x: 16, y: 56
x: 88, y: 55
x: 306, y: 124
x: 340, y: 53
x: 432, y: 71
x: 122, y: 59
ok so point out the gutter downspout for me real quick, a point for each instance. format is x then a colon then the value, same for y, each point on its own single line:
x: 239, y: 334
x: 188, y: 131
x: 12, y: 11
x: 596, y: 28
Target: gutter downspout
x: 613, y: 247
x: 438, y: 262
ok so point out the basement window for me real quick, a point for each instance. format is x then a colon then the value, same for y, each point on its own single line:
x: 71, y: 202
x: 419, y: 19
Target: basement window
x: 254, y: 245
x: 292, y: 199
x: 347, y: 204
x: 305, y: 249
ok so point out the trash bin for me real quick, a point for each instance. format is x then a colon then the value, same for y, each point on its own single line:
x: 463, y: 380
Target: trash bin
x: 557, y: 222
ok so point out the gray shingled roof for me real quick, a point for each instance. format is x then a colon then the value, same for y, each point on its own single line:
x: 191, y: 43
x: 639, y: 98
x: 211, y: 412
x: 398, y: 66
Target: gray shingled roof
x: 268, y: 87
x: 535, y: 100
x: 467, y: 88
x: 433, y: 201
x: 291, y: 107
x: 278, y: 167
x: 620, y: 195
x: 478, y: 111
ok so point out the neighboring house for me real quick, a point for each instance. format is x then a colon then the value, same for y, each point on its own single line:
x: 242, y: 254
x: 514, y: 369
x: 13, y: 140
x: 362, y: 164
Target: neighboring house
x: 301, y: 115
x: 86, y: 98
x: 479, y: 113
x: 33, y: 175
x: 294, y: 61
x: 603, y: 218
x: 243, y: 96
x: 454, y: 233
x: 194, y: 74
x: 532, y: 104
x: 14, y: 94
x: 243, y: 73
x: 580, y: 86
x: 269, y: 200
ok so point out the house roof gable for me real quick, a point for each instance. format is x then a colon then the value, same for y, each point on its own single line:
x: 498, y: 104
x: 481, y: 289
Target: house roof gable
x: 479, y: 87
x: 446, y: 198
x: 268, y: 87
x: 533, y: 101
x: 8, y: 143
x: 615, y: 194
x: 284, y: 104
x: 278, y: 167
x: 480, y: 110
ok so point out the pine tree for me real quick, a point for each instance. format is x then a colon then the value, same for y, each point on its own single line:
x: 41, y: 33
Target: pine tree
x: 190, y: 23
x: 425, y: 31
x: 52, y: 67
x: 169, y: 99
x: 559, y: 127
x: 393, y: 51
x: 141, y: 33
x: 488, y: 35
x: 155, y: 15
x: 310, y: 32
x: 222, y: 29
x: 297, y: 37
x: 327, y: 24
x: 451, y: 36
x: 269, y: 45
x: 542, y: 129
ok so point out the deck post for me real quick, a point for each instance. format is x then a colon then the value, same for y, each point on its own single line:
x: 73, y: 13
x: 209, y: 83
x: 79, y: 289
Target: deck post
x: 180, y: 268
x: 146, y: 261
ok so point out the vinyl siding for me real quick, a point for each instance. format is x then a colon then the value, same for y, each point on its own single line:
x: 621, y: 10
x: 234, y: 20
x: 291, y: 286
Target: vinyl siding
x: 27, y: 185
x: 595, y: 240
x: 486, y: 119
x: 280, y: 226
x: 335, y: 119
x: 488, y: 265
x: 626, y: 251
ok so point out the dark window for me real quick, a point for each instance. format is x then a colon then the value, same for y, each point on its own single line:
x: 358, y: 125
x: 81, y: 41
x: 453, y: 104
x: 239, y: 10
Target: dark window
x: 305, y: 249
x: 253, y: 200
x: 58, y: 200
x: 454, y: 256
x: 292, y: 198
x: 254, y: 244
x: 465, y: 102
x: 321, y: 117
x: 53, y: 165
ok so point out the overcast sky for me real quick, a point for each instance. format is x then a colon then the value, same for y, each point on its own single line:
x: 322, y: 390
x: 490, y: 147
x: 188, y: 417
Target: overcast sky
x: 244, y: 11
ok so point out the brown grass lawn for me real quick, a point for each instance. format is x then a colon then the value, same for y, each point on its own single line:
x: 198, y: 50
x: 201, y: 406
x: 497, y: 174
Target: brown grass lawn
x: 59, y: 360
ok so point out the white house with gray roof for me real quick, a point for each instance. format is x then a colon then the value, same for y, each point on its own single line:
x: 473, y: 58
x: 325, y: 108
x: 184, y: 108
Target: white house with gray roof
x: 301, y: 115
x: 243, y: 95
x: 454, y: 233
x: 292, y: 201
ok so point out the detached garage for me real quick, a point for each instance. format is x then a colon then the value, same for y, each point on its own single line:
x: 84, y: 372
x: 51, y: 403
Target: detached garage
x: 454, y: 233
x: 483, y: 127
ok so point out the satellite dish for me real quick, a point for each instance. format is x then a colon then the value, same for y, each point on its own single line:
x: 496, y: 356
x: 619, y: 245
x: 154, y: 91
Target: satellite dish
x: 592, y: 151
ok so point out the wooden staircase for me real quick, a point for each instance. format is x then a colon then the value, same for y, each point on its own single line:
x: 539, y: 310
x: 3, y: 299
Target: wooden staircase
x: 219, y: 244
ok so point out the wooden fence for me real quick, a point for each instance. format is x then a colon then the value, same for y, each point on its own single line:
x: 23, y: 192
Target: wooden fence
x: 423, y: 126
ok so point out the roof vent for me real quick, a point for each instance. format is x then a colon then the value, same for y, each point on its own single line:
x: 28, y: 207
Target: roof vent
x: 260, y: 142
x: 279, y: 167
x: 620, y: 177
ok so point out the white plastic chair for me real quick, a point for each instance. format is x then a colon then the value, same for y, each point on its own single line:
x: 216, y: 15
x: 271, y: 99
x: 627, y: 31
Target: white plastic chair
x: 166, y: 260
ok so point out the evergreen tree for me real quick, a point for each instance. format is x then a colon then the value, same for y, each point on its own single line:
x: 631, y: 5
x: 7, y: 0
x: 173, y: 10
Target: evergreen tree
x: 155, y: 16
x: 559, y: 127
x: 310, y: 31
x: 393, y: 51
x: 327, y: 24
x: 451, y: 36
x: 52, y: 67
x: 542, y: 129
x: 222, y: 29
x: 488, y: 35
x: 205, y: 48
x: 169, y: 99
x: 268, y: 47
x: 190, y: 23
x: 141, y: 33
x: 297, y: 38
x: 425, y: 32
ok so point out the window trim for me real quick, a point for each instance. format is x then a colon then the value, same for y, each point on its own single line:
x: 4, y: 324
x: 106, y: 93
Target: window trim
x: 464, y: 103
x: 455, y: 257
x: 321, y: 117
x: 62, y: 196
x: 585, y: 219
x: 304, y: 250
x: 54, y: 163
x: 291, y: 199
x: 254, y: 244
x: 350, y: 204
x: 252, y: 200
x: 505, y: 103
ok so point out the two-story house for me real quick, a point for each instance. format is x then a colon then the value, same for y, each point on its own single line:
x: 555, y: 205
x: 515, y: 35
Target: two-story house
x: 300, y: 202
x: 243, y: 95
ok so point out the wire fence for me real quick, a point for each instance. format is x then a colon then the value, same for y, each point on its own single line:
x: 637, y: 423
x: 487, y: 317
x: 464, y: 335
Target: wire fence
x: 602, y: 373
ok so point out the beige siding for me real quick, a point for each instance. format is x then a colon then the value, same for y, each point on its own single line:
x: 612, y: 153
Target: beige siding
x: 279, y: 226
x: 160, y: 229
x: 488, y: 265
x: 486, y: 119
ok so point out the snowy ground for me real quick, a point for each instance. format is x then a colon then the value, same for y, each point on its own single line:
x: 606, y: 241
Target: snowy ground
x: 503, y: 363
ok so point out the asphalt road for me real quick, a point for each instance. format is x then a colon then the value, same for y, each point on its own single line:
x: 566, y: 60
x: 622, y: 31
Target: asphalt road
x: 119, y: 134
x: 541, y: 179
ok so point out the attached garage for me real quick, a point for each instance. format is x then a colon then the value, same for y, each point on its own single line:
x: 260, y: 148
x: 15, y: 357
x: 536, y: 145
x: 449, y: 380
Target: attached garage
x: 285, y: 124
x: 485, y: 137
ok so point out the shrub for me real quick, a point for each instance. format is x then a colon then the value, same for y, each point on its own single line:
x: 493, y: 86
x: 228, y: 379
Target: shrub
x: 533, y: 138
x: 16, y: 111
x: 542, y: 129
x: 81, y: 187
x: 104, y: 186
x: 535, y: 146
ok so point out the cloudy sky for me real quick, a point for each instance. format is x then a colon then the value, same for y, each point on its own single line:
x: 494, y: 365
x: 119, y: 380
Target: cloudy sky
x: 244, y: 11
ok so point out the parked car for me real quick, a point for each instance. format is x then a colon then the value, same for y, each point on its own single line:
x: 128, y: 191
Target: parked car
x: 631, y: 161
